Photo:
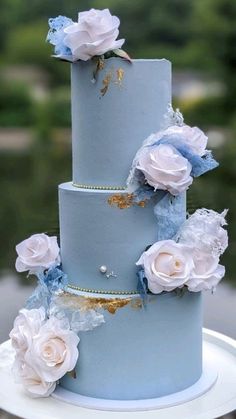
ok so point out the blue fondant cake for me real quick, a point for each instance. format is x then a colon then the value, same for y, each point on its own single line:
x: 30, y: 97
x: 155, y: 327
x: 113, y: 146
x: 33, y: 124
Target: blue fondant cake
x: 117, y: 311
x: 133, y: 355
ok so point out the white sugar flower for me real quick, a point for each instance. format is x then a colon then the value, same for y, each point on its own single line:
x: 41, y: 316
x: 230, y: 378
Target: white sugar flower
x: 46, y: 349
x: 95, y: 34
x: 193, y: 137
x: 204, y: 230
x: 165, y: 168
x: 167, y: 265
x: 26, y: 325
x: 32, y: 383
x: 54, y: 351
x: 207, y: 272
x: 36, y: 253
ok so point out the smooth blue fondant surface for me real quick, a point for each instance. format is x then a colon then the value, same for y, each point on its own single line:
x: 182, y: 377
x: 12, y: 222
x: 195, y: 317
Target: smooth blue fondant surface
x: 94, y: 233
x: 137, y: 353
x: 142, y: 353
x: 108, y: 130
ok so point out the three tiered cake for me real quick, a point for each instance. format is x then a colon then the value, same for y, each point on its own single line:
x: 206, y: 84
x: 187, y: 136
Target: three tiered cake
x: 128, y: 276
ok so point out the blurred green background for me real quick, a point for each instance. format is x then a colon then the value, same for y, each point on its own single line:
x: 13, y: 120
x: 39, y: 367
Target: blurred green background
x: 198, y: 36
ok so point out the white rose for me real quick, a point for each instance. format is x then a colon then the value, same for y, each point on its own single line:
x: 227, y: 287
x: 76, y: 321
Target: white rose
x: 94, y: 34
x: 54, y: 351
x: 37, y: 252
x: 167, y: 265
x: 194, y: 137
x: 165, y: 168
x: 34, y: 385
x: 207, y: 272
x: 26, y: 325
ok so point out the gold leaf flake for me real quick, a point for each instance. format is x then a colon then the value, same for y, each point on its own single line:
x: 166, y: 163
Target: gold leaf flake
x: 120, y: 75
x: 136, y: 303
x: 123, y: 201
x: 106, y: 82
x: 88, y: 303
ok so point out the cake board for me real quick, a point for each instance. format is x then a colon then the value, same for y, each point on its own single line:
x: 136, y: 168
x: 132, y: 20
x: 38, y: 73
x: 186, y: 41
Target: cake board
x: 219, y: 400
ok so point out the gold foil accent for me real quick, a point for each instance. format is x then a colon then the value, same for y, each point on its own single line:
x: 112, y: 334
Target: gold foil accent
x: 101, y: 64
x: 120, y: 75
x: 93, y: 303
x: 136, y: 303
x: 106, y: 82
x: 113, y: 76
x: 141, y: 203
x: 123, y: 201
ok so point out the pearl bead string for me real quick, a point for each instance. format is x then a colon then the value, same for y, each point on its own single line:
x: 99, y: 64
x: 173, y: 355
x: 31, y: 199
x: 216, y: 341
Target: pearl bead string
x: 101, y: 188
x: 75, y: 287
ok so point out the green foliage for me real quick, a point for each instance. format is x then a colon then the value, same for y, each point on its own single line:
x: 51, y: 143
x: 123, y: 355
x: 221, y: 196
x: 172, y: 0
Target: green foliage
x: 215, y: 26
x: 27, y: 45
x: 28, y: 184
x: 210, y: 111
x: 60, y: 105
x: 16, y: 105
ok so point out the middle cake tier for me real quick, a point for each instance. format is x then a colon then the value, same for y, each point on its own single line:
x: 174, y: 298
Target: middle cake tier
x: 103, y: 233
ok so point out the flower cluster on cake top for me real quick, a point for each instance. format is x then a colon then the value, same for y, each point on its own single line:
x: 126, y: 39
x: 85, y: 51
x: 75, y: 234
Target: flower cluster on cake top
x: 94, y: 35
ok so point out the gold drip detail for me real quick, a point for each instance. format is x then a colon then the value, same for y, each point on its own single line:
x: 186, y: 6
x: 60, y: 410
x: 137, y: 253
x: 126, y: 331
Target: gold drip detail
x: 94, y: 303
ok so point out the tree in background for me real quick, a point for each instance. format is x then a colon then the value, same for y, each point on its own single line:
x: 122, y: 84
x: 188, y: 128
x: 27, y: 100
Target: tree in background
x: 215, y: 29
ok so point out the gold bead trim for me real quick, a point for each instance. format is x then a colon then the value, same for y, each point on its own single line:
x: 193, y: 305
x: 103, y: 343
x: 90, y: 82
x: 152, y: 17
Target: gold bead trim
x: 75, y: 287
x: 101, y: 188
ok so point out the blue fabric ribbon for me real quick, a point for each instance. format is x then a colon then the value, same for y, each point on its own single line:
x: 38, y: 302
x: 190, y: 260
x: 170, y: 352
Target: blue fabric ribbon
x: 170, y: 215
x: 142, y: 286
x: 49, y: 282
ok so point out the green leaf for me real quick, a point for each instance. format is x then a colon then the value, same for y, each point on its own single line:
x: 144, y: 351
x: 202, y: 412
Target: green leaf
x: 122, y: 54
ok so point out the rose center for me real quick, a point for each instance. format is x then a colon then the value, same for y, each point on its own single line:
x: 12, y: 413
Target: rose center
x: 168, y: 264
x: 54, y: 351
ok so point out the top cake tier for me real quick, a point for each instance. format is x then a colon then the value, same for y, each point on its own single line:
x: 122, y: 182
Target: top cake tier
x: 112, y: 117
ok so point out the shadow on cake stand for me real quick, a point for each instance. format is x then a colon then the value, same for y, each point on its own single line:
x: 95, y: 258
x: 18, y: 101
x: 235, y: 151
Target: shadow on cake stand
x: 214, y: 395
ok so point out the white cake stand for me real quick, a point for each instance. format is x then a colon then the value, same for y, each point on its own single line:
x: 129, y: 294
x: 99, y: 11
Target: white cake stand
x: 219, y: 400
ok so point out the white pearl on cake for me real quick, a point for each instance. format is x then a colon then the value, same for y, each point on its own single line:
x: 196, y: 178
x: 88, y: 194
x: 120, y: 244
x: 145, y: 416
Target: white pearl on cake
x: 103, y: 269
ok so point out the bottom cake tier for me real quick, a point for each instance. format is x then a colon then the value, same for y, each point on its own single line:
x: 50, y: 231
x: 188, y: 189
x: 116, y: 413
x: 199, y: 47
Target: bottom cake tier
x: 141, y: 351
